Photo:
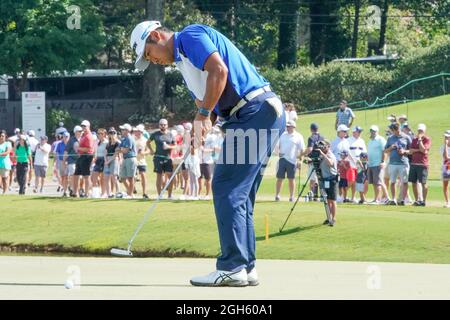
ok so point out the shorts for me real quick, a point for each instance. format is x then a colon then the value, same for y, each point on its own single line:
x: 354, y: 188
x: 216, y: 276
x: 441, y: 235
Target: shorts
x: 83, y: 165
x: 351, y: 175
x: 375, y: 175
x: 63, y: 170
x: 418, y: 173
x: 40, y: 171
x: 99, y: 165
x: 446, y: 172
x: 128, y: 168
x: 205, y: 171
x: 162, y: 165
x: 360, y: 187
x: 285, y: 167
x: 343, y: 183
x: 398, y: 171
x: 331, y: 191
x: 142, y: 169
x: 4, y: 173
x: 111, y: 169
x: 71, y: 169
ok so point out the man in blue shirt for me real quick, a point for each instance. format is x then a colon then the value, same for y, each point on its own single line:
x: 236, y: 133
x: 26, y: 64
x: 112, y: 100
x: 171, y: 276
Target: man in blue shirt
x: 129, y: 164
x: 221, y: 79
x: 397, y: 147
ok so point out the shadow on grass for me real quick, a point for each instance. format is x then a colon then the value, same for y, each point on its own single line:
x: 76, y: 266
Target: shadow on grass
x: 91, y: 285
x: 287, y: 232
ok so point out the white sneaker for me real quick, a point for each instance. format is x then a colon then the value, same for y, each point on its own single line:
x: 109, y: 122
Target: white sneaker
x: 291, y: 199
x: 170, y: 198
x: 277, y: 198
x: 182, y: 197
x: 447, y: 205
x: 207, y: 198
x: 252, y: 278
x: 222, y: 279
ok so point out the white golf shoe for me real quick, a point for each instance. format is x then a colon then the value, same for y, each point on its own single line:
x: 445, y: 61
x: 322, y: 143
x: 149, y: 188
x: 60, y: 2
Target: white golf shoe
x: 252, y: 278
x: 220, y: 278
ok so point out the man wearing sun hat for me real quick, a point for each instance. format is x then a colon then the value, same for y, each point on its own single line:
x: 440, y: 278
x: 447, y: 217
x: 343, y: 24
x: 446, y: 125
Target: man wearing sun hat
x: 418, y: 172
x: 376, y: 164
x: 223, y: 81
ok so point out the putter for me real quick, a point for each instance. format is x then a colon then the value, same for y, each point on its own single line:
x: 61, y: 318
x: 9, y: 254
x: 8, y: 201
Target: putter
x: 127, y: 252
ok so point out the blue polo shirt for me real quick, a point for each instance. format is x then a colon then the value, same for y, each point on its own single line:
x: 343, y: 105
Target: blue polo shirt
x: 128, y: 142
x: 192, y: 47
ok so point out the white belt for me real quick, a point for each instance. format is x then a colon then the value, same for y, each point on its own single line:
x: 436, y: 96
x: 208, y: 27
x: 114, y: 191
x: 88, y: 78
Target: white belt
x: 249, y: 96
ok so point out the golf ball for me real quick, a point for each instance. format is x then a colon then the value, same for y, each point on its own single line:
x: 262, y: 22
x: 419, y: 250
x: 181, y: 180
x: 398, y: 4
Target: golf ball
x: 68, y: 284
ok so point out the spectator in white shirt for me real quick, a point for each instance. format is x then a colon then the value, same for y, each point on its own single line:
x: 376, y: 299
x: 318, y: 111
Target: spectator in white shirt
x: 206, y: 163
x: 41, y: 163
x: 357, y: 146
x: 340, y: 143
x: 290, y: 148
x: 291, y: 113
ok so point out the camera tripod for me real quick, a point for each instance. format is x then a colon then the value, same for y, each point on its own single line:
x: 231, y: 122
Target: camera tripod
x: 322, y: 193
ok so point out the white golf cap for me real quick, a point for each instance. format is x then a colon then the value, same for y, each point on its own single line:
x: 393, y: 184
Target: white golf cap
x: 23, y: 137
x: 402, y: 116
x: 447, y: 134
x: 85, y: 123
x: 342, y: 127
x: 126, y: 126
x: 422, y: 127
x: 374, y: 128
x: 137, y: 41
x: 77, y: 129
x: 140, y: 127
x: 16, y: 130
x: 179, y: 128
x: 291, y: 123
x: 188, y: 126
x: 31, y: 133
x: 163, y: 121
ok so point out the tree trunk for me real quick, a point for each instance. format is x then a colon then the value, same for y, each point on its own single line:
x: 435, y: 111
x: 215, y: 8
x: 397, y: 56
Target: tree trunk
x: 316, y: 54
x: 383, y: 27
x: 356, y: 28
x: 154, y: 77
x: 287, y: 44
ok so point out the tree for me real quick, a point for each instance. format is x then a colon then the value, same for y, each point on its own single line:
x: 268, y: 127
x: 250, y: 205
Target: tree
x: 287, y: 43
x: 328, y: 39
x: 357, y: 4
x: 153, y: 93
x: 45, y: 37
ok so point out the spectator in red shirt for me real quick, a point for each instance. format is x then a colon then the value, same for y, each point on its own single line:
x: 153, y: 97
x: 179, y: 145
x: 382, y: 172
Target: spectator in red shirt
x: 343, y: 167
x: 418, y: 172
x: 83, y: 164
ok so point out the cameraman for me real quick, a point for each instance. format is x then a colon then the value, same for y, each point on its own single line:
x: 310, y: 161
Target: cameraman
x: 329, y: 179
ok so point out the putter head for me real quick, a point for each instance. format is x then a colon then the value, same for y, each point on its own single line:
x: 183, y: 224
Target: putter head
x: 121, y: 252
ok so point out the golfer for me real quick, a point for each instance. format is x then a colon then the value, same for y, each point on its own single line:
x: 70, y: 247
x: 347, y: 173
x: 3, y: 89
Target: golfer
x: 221, y: 79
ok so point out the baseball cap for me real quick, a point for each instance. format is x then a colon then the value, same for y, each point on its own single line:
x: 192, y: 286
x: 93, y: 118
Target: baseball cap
x: 66, y: 134
x: 343, y: 153
x: 342, y: 127
x: 402, y: 116
x: 291, y: 123
x: 77, y: 128
x: 23, y: 137
x: 140, y: 127
x: 447, y: 134
x: 188, y: 126
x: 394, y: 126
x: 357, y: 128
x: 179, y: 128
x: 126, y: 126
x: 45, y: 137
x: 163, y: 121
x: 112, y: 130
x: 314, y: 126
x: 374, y: 128
x: 85, y: 123
x: 31, y: 133
x: 137, y: 41
x: 363, y: 155
x: 422, y: 127
x: 16, y: 130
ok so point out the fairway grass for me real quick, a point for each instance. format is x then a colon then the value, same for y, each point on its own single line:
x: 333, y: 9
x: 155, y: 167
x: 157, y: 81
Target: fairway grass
x: 363, y: 233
